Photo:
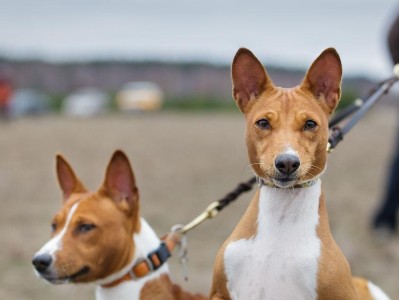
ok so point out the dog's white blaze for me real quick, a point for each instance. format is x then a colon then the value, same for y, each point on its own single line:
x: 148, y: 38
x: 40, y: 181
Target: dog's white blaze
x: 290, y: 151
x: 376, y: 292
x: 145, y: 242
x: 280, y: 261
x: 55, y: 244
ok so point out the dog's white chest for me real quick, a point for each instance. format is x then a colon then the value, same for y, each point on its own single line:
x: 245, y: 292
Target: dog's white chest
x: 280, y: 261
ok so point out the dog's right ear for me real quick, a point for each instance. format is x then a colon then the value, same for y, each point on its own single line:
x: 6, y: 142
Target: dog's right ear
x: 249, y: 78
x: 67, y: 179
x: 120, y: 184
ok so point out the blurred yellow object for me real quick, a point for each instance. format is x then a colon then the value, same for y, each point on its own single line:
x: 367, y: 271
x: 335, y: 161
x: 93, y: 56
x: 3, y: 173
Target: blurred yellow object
x: 139, y: 96
x: 396, y: 70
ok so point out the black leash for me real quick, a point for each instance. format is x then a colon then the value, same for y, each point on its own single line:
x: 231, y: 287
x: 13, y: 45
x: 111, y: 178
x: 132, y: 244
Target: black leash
x: 233, y: 195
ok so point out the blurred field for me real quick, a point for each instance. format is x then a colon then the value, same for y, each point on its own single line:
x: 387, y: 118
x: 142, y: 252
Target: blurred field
x: 182, y: 162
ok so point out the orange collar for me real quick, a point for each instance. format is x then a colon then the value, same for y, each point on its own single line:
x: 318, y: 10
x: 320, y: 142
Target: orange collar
x: 152, y: 262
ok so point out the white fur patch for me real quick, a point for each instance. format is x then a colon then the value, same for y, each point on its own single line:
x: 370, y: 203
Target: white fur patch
x: 55, y: 244
x: 290, y: 151
x: 376, y: 292
x: 280, y: 261
x: 145, y: 242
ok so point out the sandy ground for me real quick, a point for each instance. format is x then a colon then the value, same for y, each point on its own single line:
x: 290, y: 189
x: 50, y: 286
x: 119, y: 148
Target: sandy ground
x: 182, y: 162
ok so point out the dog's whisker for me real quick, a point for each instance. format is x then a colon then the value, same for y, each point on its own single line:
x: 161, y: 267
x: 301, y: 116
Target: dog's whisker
x: 306, y: 164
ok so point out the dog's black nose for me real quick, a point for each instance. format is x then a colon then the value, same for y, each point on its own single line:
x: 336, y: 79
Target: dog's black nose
x: 287, y: 163
x: 42, y: 262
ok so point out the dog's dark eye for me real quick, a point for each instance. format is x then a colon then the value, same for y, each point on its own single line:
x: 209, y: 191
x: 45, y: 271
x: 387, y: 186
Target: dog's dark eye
x: 263, y: 124
x: 86, y: 227
x: 53, y: 227
x: 309, y: 125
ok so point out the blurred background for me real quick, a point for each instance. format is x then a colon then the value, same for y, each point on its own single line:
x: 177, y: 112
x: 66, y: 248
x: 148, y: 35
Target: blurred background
x: 152, y: 78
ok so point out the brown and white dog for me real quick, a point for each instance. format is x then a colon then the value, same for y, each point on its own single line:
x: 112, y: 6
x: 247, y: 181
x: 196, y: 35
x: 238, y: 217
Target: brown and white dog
x: 283, y: 248
x: 100, y: 237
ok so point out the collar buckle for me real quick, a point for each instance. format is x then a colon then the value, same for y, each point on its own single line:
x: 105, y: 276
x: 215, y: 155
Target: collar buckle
x: 158, y: 257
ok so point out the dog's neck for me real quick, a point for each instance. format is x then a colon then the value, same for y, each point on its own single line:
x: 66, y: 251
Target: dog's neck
x: 301, y: 203
x: 145, y: 242
x: 286, y: 231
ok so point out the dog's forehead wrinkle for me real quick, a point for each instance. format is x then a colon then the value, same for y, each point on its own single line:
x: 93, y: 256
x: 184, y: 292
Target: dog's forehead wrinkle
x: 93, y: 205
x: 281, y: 103
x: 90, y: 201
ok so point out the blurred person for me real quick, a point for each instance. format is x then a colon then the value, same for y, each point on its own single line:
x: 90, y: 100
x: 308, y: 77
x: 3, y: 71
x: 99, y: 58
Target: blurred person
x: 386, y: 218
x: 5, y: 97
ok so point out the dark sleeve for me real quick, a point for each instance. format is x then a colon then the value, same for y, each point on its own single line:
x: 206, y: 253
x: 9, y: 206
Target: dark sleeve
x: 393, y: 41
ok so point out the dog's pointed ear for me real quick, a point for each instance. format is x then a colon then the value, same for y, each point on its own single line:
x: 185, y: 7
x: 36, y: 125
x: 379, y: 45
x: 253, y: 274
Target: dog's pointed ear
x: 119, y: 183
x: 67, y: 179
x: 249, y: 78
x: 324, y: 78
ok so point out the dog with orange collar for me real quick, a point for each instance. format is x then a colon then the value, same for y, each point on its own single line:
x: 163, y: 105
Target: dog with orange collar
x: 99, y: 237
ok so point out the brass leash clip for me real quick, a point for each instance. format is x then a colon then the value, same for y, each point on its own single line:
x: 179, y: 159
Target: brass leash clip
x: 210, y: 212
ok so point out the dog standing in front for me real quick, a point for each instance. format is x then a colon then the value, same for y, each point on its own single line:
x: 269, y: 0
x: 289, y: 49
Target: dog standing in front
x: 282, y: 248
x: 99, y: 237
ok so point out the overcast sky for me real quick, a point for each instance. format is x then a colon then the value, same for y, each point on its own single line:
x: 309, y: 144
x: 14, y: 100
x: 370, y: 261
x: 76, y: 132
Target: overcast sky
x: 287, y: 32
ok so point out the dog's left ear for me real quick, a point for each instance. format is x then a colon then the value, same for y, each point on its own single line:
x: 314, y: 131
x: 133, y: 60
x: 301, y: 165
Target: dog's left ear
x: 324, y: 77
x: 119, y: 183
